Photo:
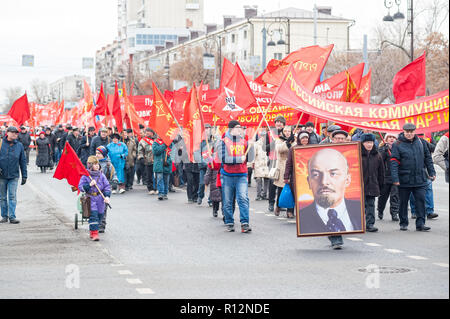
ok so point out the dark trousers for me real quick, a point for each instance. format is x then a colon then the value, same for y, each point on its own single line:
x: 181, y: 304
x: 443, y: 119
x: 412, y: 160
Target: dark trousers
x: 193, y: 182
x: 129, y: 177
x: 140, y: 172
x: 27, y: 153
x: 272, y: 192
x: 250, y: 173
x: 370, y: 210
x: 419, y: 196
x: 389, y: 191
x: 149, y: 180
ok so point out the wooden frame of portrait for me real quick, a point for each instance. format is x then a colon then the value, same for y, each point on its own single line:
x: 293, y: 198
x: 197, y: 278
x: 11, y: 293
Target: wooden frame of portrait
x: 357, y: 209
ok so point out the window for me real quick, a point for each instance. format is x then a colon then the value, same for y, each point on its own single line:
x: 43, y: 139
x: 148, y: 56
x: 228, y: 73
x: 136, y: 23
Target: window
x: 278, y: 56
x: 245, y: 34
x: 245, y: 54
x: 233, y: 38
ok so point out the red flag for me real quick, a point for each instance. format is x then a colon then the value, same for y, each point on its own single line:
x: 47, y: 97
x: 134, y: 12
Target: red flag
x: 102, y: 104
x: 70, y: 167
x: 410, y: 81
x: 334, y: 88
x: 364, y: 88
x: 117, y: 111
x: 130, y: 113
x: 235, y: 96
x: 227, y: 72
x: 20, y: 110
x: 308, y: 62
x: 162, y: 120
x: 193, y: 123
x: 88, y: 100
x: 60, y: 113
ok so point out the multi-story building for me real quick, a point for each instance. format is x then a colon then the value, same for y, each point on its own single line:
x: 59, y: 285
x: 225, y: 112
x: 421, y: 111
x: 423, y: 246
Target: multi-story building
x: 243, y: 40
x: 70, y: 89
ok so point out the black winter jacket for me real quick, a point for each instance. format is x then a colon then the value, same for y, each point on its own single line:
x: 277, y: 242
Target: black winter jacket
x: 373, y: 172
x: 410, y: 162
x: 25, y: 139
x: 386, y: 155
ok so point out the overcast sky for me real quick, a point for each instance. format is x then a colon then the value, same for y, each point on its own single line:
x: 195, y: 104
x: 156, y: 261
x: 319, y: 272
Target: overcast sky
x: 60, y: 33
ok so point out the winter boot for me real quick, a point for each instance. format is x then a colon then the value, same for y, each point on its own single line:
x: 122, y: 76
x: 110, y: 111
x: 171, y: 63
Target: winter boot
x: 94, y: 235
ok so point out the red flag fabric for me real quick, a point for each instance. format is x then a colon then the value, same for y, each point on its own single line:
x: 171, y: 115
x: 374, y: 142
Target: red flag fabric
x: 102, y: 104
x: 70, y: 167
x: 351, y: 90
x: 193, y: 123
x: 308, y: 62
x: 365, y: 88
x: 60, y: 113
x: 227, y: 72
x: 20, y: 110
x: 333, y: 88
x: 117, y: 111
x: 162, y: 120
x: 131, y: 115
x: 235, y: 97
x: 88, y: 100
x: 410, y: 81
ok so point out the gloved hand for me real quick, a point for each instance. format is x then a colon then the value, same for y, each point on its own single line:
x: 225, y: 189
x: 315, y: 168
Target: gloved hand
x: 24, y: 181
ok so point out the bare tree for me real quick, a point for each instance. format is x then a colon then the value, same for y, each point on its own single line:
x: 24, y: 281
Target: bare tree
x: 39, y: 90
x: 12, y: 94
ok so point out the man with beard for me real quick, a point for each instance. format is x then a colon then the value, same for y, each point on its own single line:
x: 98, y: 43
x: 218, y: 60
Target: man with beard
x: 331, y: 212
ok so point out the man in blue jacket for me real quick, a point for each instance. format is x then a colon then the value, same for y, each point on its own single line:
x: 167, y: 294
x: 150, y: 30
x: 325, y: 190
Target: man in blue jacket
x: 410, y: 161
x: 12, y: 156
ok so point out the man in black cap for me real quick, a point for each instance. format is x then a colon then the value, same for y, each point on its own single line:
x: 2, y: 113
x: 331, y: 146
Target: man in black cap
x: 59, y: 134
x: 52, y: 139
x: 84, y: 150
x: 25, y: 139
x: 339, y: 136
x: 330, y: 130
x: 12, y: 157
x: 74, y: 139
x: 410, y: 162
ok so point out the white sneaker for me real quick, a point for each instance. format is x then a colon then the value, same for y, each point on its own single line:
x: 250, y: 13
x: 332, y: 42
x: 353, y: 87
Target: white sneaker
x: 114, y: 192
x: 122, y: 191
x: 154, y: 193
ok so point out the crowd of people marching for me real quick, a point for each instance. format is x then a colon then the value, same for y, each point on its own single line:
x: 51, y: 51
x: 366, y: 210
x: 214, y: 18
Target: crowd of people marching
x: 228, y: 164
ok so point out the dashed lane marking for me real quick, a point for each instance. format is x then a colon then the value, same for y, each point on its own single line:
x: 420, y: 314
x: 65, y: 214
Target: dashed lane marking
x: 292, y: 222
x: 417, y: 257
x: 270, y: 215
x: 145, y: 291
x: 259, y: 213
x: 373, y: 244
x: 441, y: 265
x: 394, y: 251
x: 281, y: 218
x: 134, y: 281
x: 354, y: 239
x: 125, y: 272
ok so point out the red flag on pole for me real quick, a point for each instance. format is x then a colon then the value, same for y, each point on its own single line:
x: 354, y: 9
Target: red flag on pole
x: 70, y: 167
x: 60, y: 113
x: 130, y: 113
x: 235, y: 96
x: 193, y: 123
x: 102, y: 104
x: 20, y: 110
x: 162, y: 120
x: 117, y: 111
x: 410, y: 81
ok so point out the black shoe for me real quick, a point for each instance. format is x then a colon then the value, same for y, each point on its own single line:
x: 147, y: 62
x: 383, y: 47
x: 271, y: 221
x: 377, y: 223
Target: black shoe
x: 4, y: 220
x: 432, y: 216
x: 395, y: 218
x: 403, y: 228
x: 101, y: 231
x: 199, y: 201
x: 161, y: 197
x: 371, y: 229
x: 423, y: 228
x: 245, y: 228
x: 14, y: 221
x: 380, y: 216
x: 215, y: 213
x: 413, y: 216
x: 271, y: 207
x: 230, y: 228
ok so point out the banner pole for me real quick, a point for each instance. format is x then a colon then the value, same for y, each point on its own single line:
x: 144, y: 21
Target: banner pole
x: 259, y: 126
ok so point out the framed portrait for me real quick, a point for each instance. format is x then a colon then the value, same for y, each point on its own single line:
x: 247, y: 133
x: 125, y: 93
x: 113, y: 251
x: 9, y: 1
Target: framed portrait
x: 329, y: 189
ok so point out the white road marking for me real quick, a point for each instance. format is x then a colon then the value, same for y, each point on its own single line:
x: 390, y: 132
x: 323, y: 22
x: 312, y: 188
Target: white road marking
x: 134, y: 281
x: 116, y: 265
x: 281, y: 218
x: 417, y: 257
x: 292, y: 222
x: 441, y: 265
x: 145, y: 291
x: 394, y: 251
x: 259, y: 213
x: 354, y: 239
x: 373, y: 244
x: 270, y: 215
x: 125, y: 272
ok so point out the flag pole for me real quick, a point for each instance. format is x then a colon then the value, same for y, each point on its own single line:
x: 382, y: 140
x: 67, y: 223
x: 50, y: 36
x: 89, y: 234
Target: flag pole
x: 96, y: 186
x: 265, y: 119
x: 259, y: 126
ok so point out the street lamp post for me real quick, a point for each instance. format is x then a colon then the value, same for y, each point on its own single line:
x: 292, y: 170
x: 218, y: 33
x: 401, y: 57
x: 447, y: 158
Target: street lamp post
x: 400, y: 16
x: 286, y: 25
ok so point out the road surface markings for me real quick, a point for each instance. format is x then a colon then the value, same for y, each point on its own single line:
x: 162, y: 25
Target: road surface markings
x: 373, y: 244
x: 281, y: 218
x: 270, y: 215
x: 259, y: 213
x: 145, y: 291
x: 354, y: 239
x: 394, y: 251
x: 441, y: 265
x: 124, y: 272
x: 116, y: 265
x: 292, y: 221
x: 417, y: 257
x: 134, y: 281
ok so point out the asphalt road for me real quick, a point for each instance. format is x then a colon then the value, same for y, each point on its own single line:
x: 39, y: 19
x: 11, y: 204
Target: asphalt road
x: 172, y: 249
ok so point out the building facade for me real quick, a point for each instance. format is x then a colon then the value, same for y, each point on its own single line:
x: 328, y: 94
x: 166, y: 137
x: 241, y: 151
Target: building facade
x: 70, y: 89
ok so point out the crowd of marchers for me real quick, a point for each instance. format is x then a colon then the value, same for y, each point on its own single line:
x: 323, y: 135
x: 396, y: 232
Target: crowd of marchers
x: 395, y: 168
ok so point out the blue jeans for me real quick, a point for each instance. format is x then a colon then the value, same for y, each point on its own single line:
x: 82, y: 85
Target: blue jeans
x: 95, y: 220
x: 201, y: 188
x: 58, y: 154
x: 429, y: 201
x: 8, y: 191
x: 162, y: 183
x: 235, y: 186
